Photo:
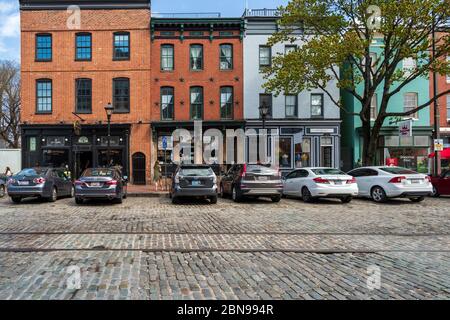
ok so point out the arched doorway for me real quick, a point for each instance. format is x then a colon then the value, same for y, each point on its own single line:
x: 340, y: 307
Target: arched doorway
x: 139, y: 165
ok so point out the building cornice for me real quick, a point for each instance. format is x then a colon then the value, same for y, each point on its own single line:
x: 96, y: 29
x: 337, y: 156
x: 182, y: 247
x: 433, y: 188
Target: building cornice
x: 84, y: 4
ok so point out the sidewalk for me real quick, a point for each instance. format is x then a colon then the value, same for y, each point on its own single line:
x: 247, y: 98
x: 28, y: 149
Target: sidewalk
x: 146, y: 191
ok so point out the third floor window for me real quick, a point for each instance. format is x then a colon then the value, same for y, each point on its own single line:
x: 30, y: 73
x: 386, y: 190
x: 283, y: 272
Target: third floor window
x: 83, y: 46
x: 196, y: 57
x: 43, y: 47
x: 83, y: 89
x: 317, y: 105
x: 122, y: 46
x: 167, y: 57
x: 265, y: 56
x: 121, y: 95
x: 410, y: 103
x: 226, y: 57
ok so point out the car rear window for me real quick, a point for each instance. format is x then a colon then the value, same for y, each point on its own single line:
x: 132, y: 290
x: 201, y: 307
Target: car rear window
x: 98, y: 173
x: 257, y: 168
x: 327, y: 171
x: 32, y: 172
x: 196, y: 172
x: 397, y: 170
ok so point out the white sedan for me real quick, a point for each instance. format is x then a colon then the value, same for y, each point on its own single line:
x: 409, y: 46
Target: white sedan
x: 382, y: 183
x: 314, y: 183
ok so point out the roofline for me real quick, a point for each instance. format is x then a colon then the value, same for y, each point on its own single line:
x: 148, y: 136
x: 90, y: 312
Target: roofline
x: 84, y: 4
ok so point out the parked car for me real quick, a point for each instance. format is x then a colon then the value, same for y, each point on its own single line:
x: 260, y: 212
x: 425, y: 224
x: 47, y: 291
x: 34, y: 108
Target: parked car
x: 382, y: 183
x: 314, y: 183
x: 101, y: 183
x: 46, y: 183
x: 441, y: 184
x: 194, y: 181
x: 2, y: 186
x: 252, y: 180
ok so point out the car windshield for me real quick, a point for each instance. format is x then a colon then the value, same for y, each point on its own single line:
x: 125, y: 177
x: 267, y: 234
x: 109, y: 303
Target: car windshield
x: 397, y: 170
x: 98, y: 173
x: 327, y: 171
x: 260, y: 168
x: 32, y: 172
x: 196, y: 172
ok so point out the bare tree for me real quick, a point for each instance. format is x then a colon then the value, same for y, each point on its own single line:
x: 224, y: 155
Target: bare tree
x: 10, y: 103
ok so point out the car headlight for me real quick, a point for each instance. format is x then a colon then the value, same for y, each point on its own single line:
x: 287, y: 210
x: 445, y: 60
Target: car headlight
x: 177, y: 179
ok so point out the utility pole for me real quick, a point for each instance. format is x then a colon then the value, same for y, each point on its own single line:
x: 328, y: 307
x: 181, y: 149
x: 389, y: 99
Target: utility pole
x: 437, y: 115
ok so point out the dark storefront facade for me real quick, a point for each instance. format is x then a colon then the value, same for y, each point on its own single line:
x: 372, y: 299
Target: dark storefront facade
x: 58, y: 145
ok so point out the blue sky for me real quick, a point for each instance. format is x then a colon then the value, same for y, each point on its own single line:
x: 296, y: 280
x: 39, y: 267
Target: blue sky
x: 10, y: 19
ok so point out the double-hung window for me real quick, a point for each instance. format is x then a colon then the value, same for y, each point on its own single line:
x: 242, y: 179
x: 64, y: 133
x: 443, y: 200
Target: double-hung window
x: 226, y: 103
x: 374, y: 107
x: 83, y: 43
x: 83, y: 89
x: 196, y: 57
x: 291, y: 106
x: 410, y: 103
x: 196, y: 100
x: 167, y: 57
x: 266, y: 101
x: 226, y: 57
x: 44, y: 96
x: 167, y: 103
x: 317, y: 105
x: 43, y: 47
x: 121, y: 46
x: 121, y: 97
x: 409, y: 66
x: 265, y: 56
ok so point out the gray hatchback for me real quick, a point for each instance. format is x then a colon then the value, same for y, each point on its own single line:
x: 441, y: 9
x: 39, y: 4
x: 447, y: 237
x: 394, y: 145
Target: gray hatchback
x: 46, y: 183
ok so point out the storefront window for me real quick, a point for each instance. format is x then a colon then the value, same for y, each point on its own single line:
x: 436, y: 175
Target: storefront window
x: 412, y: 158
x: 303, y: 153
x: 32, y: 144
x: 285, y: 152
x: 115, y: 156
x: 56, y: 158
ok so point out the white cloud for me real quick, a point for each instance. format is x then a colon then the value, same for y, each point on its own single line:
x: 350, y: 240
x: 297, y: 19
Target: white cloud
x: 10, y: 25
x: 9, y: 29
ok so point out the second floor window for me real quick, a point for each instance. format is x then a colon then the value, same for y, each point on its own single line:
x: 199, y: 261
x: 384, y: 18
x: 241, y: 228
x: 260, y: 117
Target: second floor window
x: 44, y: 47
x: 289, y: 48
x: 196, y: 57
x: 316, y: 105
x: 226, y: 57
x: 167, y: 103
x: 265, y: 56
x: 83, y: 95
x: 410, y: 103
x: 44, y: 96
x: 167, y: 57
x: 374, y: 107
x: 196, y: 103
x: 83, y: 46
x: 226, y: 103
x: 291, y: 106
x: 121, y: 98
x: 121, y: 46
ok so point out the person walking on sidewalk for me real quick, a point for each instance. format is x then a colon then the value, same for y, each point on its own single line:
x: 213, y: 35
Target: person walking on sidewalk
x: 156, y: 173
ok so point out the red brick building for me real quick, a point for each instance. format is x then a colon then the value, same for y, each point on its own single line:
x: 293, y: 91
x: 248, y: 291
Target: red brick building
x: 197, y: 74
x: 73, y: 64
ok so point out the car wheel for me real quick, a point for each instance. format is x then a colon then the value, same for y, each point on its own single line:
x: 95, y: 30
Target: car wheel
x: 306, y: 195
x: 276, y: 199
x: 16, y: 199
x: 378, y: 195
x: 346, y: 199
x: 419, y: 199
x: 175, y: 200
x: 213, y: 200
x: 119, y: 200
x: 235, y: 195
x: 435, y: 192
x: 79, y: 201
x: 54, y: 195
x: 2, y: 191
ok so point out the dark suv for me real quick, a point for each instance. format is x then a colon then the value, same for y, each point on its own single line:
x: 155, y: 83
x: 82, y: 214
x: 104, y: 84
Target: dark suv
x: 252, y: 180
x: 194, y: 181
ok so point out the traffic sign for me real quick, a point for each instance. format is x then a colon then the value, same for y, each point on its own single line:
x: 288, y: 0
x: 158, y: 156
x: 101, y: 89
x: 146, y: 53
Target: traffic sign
x: 164, y: 143
x: 438, y: 145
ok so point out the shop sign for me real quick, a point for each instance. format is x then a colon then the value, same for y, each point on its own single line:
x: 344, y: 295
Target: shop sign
x: 83, y: 140
x: 438, y: 145
x: 55, y: 141
x: 405, y: 129
x: 322, y: 130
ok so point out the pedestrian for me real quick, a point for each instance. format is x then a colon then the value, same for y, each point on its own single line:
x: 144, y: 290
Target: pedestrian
x: 358, y: 163
x: 67, y: 172
x: 8, y: 172
x: 156, y: 173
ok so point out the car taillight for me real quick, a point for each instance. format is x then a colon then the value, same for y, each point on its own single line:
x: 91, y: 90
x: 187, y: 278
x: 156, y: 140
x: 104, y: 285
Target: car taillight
x: 111, y: 183
x: 352, y: 181
x: 397, y: 180
x: 321, y: 181
x: 244, y: 171
x: 428, y: 178
x: 79, y: 183
x: 39, y: 180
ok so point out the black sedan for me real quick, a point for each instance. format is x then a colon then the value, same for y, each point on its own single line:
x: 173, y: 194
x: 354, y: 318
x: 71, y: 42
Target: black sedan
x: 194, y: 181
x: 101, y: 183
x: 46, y: 183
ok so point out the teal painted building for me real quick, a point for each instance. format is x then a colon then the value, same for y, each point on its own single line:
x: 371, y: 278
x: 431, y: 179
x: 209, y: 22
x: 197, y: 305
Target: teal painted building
x: 410, y: 152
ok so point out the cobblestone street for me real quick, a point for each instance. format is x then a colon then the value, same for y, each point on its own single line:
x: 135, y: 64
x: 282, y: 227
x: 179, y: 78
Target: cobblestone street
x: 148, y: 248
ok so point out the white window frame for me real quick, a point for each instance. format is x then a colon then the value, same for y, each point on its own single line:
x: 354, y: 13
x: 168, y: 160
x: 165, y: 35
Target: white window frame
x: 409, y: 66
x: 406, y: 108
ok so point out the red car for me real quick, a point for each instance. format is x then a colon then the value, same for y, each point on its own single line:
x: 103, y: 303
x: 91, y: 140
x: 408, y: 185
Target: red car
x: 441, y: 184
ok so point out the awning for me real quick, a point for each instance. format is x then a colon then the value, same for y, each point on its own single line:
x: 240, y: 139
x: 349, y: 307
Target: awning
x: 444, y: 154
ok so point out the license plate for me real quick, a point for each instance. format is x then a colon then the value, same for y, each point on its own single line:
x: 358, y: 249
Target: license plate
x: 263, y: 178
x: 24, y: 183
x: 195, y: 183
x: 95, y: 184
x: 339, y: 182
x: 416, y: 181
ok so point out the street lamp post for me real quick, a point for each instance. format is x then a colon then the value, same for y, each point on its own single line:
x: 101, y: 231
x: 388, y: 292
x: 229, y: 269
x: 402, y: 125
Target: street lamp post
x: 109, y: 111
x: 264, y: 112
